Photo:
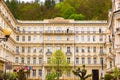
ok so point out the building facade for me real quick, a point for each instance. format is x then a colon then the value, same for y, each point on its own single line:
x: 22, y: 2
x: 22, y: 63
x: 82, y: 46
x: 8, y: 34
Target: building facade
x: 31, y: 44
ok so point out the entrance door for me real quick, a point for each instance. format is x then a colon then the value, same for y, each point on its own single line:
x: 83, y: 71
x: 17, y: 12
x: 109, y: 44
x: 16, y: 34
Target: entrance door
x: 95, y: 74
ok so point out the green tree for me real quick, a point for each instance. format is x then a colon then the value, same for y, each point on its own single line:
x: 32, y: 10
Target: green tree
x: 51, y: 76
x: 49, y: 3
x: 82, y: 74
x: 116, y: 73
x: 59, y: 62
x: 21, y: 74
x: 108, y: 77
x: 77, y: 17
x: 10, y: 75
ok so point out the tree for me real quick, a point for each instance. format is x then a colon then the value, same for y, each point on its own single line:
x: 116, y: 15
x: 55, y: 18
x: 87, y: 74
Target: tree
x: 51, y: 76
x: 9, y: 75
x: 49, y: 3
x: 21, y: 74
x: 77, y: 17
x: 82, y: 74
x: 108, y: 77
x: 59, y: 62
x: 116, y: 73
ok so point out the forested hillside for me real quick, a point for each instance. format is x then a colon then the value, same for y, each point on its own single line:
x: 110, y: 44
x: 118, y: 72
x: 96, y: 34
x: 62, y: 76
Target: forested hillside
x: 68, y: 9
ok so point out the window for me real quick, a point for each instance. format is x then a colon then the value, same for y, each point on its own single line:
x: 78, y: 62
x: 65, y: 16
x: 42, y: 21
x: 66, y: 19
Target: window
x: 109, y: 50
x: 67, y: 30
x: 77, y: 60
x: 23, y: 38
x: 101, y: 50
x: 23, y: 49
x: 18, y: 29
x: 83, y: 60
x: 76, y: 38
x: 35, y: 30
x: 100, y: 30
x: 68, y: 49
x: 68, y: 38
x: 94, y: 30
x: 68, y: 74
x: 110, y: 64
x: 49, y: 38
x: 34, y: 49
x: 82, y: 38
x: 40, y: 50
x: 48, y: 72
x: 88, y: 38
x: 95, y: 60
x: 48, y: 60
x: 34, y: 38
x: 16, y: 60
x: 76, y: 30
x: 23, y: 30
x: 28, y: 60
x: 82, y: 30
x: 77, y: 49
x: 58, y: 38
x: 40, y: 60
x: 17, y: 38
x: 40, y: 73
x: 34, y: 60
x: 29, y: 49
x: 94, y: 49
x: 29, y: 38
x: 49, y: 29
x: 48, y: 49
x: 68, y: 60
x: 58, y: 48
x: 101, y: 38
x: 94, y: 39
x: 58, y: 29
x: 88, y: 49
x: 34, y: 73
x: 29, y: 29
x: 88, y: 30
x: 101, y: 61
x: 17, y: 49
x: 89, y: 60
x: 82, y: 49
x: 22, y: 60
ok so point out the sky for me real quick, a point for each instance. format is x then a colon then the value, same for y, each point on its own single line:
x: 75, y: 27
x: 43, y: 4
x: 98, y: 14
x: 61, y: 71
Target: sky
x: 31, y: 0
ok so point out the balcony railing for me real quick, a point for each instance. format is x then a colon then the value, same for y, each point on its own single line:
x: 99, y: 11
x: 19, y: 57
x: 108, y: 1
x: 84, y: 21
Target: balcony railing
x: 58, y: 32
x: 48, y: 53
x: 68, y: 53
x: 58, y: 42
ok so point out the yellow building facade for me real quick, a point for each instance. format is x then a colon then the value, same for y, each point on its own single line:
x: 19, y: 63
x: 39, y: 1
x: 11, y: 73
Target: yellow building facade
x: 84, y: 42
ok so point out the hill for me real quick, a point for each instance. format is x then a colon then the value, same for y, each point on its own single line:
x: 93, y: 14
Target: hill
x: 68, y: 9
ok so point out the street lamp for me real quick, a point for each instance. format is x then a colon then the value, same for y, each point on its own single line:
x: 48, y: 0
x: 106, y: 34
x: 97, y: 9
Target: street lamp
x: 7, y: 32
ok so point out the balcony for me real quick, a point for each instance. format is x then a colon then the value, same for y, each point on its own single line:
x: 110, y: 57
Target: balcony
x: 58, y: 42
x: 59, y: 32
x: 68, y: 53
x: 48, y: 53
x: 118, y: 30
x: 102, y: 54
x: 48, y: 32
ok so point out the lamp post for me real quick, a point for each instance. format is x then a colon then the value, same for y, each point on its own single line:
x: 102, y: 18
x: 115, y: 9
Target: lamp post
x: 7, y: 32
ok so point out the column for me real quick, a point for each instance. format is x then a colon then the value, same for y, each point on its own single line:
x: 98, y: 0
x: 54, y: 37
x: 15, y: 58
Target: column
x: 43, y: 73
